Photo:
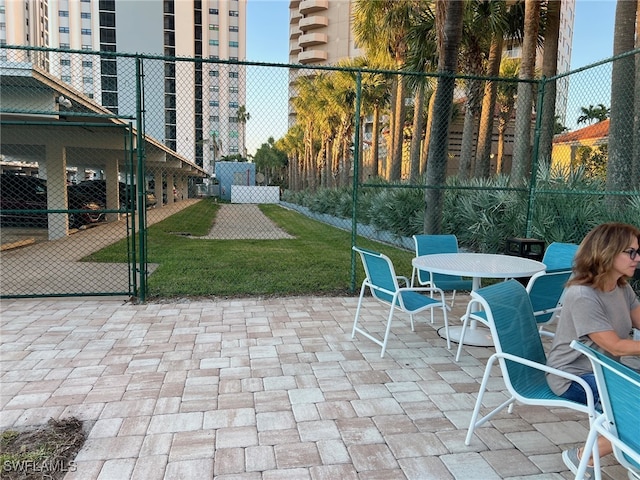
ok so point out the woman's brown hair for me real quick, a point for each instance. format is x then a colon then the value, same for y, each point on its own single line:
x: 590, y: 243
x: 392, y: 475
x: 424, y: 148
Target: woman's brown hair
x: 596, y: 254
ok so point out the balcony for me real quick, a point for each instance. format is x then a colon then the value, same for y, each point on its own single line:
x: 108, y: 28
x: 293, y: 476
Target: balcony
x: 294, y: 17
x: 294, y: 3
x: 294, y: 32
x: 312, y: 56
x: 312, y: 6
x: 311, y: 39
x: 313, y: 22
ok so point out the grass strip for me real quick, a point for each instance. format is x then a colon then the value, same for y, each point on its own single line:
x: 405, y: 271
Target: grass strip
x: 317, y: 261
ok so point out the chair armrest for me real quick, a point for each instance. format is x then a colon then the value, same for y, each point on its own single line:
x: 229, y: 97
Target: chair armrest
x: 404, y: 279
x: 554, y: 371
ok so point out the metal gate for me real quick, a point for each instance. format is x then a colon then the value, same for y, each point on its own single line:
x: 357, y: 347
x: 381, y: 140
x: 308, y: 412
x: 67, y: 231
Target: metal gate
x: 68, y: 190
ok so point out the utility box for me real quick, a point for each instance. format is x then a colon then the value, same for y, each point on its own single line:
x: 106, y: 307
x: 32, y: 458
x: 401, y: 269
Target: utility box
x: 525, y: 247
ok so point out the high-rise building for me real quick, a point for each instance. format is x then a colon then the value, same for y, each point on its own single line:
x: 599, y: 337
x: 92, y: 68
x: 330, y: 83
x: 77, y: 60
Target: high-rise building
x: 321, y: 32
x: 199, y: 115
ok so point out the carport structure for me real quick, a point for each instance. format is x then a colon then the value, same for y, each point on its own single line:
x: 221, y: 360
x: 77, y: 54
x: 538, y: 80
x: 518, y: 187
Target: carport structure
x: 47, y: 121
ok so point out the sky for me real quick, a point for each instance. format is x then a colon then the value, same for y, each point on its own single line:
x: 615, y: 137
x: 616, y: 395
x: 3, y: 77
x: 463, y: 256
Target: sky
x: 268, y: 42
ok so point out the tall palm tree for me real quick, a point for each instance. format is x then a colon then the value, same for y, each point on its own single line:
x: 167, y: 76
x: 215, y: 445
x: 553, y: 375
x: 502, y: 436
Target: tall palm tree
x: 482, y: 21
x: 514, y: 25
x: 243, y: 117
x: 381, y: 27
x: 635, y: 168
x: 449, y: 37
x: 591, y: 113
x: 619, y: 165
x: 549, y: 70
x: 524, y: 102
x: 506, y: 99
x: 422, y: 57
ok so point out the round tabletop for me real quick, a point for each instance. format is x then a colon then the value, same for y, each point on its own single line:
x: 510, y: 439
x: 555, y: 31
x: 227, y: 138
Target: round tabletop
x: 478, y: 265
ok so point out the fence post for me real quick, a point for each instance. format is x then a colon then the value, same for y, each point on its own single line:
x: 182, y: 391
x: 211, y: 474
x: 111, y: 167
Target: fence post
x: 534, y: 155
x: 142, y: 182
x: 356, y: 175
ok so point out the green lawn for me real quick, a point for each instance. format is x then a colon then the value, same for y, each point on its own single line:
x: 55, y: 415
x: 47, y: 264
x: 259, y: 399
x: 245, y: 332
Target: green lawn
x: 316, y: 262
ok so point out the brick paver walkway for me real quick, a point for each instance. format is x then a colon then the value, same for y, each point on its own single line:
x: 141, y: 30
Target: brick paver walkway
x: 265, y: 389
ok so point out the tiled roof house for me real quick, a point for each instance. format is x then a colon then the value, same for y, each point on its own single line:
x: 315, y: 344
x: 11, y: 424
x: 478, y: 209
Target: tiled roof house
x: 565, y: 145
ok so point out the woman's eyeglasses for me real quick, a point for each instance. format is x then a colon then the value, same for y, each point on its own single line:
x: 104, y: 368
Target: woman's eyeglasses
x: 633, y: 253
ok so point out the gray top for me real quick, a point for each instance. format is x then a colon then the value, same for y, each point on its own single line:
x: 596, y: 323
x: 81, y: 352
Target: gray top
x: 586, y: 310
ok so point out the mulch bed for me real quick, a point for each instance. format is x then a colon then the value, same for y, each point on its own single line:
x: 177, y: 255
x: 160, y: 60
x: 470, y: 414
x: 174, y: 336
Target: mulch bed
x: 43, y: 452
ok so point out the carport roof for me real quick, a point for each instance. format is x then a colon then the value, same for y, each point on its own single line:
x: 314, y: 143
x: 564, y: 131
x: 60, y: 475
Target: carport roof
x: 29, y: 107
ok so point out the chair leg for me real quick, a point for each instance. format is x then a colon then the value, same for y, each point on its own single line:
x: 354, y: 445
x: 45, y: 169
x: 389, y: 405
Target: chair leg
x: 475, y: 423
x: 386, y: 332
x: 590, y: 449
x: 355, y: 320
x: 446, y: 324
x: 465, y: 320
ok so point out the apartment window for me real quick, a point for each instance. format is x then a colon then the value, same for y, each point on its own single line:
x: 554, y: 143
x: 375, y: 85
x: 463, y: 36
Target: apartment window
x: 214, y: 118
x: 233, y: 59
x: 233, y: 149
x: 87, y: 80
x: 214, y: 103
x: 214, y: 88
x: 87, y: 64
x: 233, y: 74
x: 85, y: 31
x: 233, y: 104
x: 66, y: 78
x: 233, y: 89
x: 65, y: 46
x: 233, y: 134
x: 233, y: 44
x: 214, y: 42
x: 65, y: 62
x: 63, y: 29
x: 214, y: 27
x: 213, y: 73
x: 86, y: 47
x: 233, y: 119
x: 85, y: 15
x: 233, y: 13
x: 213, y: 11
x: 214, y: 57
x: 233, y: 28
x: 63, y: 13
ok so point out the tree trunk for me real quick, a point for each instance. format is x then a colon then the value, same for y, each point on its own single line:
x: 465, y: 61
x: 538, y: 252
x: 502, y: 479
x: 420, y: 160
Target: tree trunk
x: 375, y: 135
x: 416, y: 137
x: 522, y: 136
x: 549, y: 69
x: 622, y: 92
x: 427, y: 135
x: 466, y: 147
x: 438, y: 142
x: 485, y: 134
x: 635, y: 167
x: 398, y: 127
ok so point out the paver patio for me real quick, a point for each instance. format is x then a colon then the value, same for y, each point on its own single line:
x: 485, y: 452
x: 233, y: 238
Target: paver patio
x: 266, y: 389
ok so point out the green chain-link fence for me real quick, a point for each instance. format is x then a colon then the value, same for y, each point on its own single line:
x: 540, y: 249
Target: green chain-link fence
x: 149, y: 136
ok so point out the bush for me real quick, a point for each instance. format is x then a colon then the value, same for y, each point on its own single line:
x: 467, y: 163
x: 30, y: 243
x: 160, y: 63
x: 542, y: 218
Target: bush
x: 483, y: 213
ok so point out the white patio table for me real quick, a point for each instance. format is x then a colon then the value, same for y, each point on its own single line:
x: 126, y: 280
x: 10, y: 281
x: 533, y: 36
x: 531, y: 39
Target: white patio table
x: 477, y: 266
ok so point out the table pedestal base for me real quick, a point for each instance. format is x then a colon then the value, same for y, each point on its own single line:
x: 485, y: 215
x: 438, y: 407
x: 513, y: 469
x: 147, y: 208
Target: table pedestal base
x: 477, y: 337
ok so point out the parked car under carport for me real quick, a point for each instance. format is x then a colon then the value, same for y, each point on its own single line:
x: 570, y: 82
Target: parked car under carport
x: 96, y: 191
x: 23, y: 201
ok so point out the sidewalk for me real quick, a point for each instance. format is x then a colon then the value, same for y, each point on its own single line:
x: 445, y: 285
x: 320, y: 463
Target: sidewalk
x: 266, y: 389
